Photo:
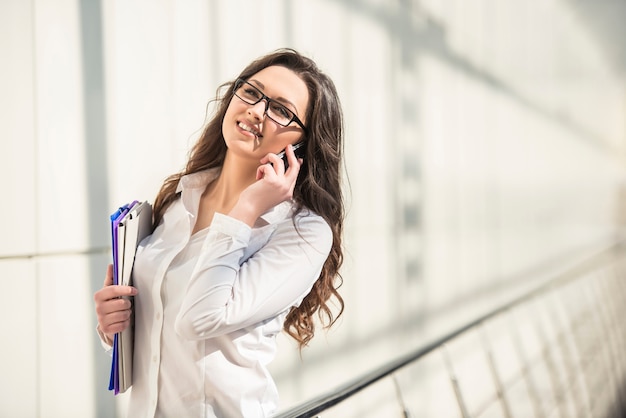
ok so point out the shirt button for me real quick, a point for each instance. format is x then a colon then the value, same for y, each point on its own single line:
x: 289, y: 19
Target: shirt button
x: 158, y: 316
x: 154, y: 358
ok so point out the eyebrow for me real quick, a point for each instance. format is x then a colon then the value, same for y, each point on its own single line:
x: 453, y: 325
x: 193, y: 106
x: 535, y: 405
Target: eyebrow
x: 278, y: 99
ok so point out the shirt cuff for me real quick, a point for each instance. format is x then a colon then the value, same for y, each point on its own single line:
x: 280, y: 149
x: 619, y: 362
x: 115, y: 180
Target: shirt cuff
x: 103, y: 341
x: 232, y: 227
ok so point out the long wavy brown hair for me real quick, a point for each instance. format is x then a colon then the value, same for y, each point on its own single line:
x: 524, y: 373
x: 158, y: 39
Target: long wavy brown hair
x: 318, y: 187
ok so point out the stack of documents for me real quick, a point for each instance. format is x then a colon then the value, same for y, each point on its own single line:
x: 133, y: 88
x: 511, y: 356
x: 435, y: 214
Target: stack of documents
x: 130, y: 224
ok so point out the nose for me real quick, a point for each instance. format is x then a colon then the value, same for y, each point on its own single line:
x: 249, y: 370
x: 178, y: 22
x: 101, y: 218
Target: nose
x: 258, y: 110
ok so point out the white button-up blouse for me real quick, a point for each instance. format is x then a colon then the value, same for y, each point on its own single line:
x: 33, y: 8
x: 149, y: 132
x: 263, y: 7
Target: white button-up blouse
x: 210, y: 305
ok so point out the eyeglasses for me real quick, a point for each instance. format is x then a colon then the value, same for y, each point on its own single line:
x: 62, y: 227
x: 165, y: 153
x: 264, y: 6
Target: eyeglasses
x: 273, y: 109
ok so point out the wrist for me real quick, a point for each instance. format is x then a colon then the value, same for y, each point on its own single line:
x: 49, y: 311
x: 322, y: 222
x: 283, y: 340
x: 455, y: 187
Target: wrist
x: 106, y: 338
x: 245, y: 213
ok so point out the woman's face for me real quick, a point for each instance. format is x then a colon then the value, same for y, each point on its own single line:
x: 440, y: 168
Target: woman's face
x: 249, y: 133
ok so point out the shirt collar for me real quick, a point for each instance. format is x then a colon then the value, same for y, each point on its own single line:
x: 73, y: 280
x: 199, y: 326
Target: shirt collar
x: 197, y: 180
x: 278, y: 212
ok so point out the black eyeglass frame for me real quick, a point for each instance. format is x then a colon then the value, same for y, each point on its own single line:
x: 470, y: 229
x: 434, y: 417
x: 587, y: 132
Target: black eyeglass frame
x: 267, y: 99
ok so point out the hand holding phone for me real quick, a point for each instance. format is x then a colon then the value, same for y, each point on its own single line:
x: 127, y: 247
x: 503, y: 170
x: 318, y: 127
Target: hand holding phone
x: 272, y: 187
x: 298, y: 150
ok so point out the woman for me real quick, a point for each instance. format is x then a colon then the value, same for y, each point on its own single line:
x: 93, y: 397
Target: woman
x: 244, y: 245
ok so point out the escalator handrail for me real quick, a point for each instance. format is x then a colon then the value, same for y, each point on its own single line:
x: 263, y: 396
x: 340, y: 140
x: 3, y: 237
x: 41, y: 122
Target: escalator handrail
x: 322, y: 402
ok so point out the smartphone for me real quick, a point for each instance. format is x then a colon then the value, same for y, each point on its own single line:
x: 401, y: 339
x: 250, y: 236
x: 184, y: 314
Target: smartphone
x: 298, y: 150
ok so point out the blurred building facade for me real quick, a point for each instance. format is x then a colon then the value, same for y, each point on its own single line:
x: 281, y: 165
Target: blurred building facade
x: 485, y: 151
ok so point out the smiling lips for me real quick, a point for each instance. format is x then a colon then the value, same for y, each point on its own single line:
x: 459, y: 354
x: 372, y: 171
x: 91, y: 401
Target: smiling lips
x: 249, y: 129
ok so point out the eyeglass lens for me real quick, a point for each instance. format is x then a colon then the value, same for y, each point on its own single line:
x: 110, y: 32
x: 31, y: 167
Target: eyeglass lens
x: 274, y: 110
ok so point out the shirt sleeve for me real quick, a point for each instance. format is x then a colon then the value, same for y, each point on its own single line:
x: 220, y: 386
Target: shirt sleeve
x: 108, y: 348
x: 227, y: 293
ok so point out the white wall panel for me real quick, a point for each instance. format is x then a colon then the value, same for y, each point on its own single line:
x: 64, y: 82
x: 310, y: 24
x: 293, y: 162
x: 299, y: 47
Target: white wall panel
x: 139, y: 56
x: 65, y: 355
x: 19, y: 326
x: 61, y: 179
x: 193, y: 71
x: 18, y: 163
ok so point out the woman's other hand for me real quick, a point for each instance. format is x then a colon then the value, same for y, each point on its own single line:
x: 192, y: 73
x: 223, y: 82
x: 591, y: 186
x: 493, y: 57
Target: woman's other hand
x: 112, y: 310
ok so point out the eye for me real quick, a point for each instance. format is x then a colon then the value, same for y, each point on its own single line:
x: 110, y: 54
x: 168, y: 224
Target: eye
x: 281, y: 110
x: 251, y: 92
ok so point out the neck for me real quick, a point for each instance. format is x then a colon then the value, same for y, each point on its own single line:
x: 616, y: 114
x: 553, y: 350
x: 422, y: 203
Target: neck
x: 234, y: 177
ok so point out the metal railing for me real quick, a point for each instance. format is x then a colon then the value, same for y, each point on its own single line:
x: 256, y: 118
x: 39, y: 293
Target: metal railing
x: 556, y: 351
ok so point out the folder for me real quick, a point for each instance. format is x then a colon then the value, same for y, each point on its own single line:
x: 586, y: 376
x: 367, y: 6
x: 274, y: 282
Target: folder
x: 130, y: 224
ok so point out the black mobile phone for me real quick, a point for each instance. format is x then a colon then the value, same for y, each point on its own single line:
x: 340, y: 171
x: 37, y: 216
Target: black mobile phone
x: 298, y: 150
